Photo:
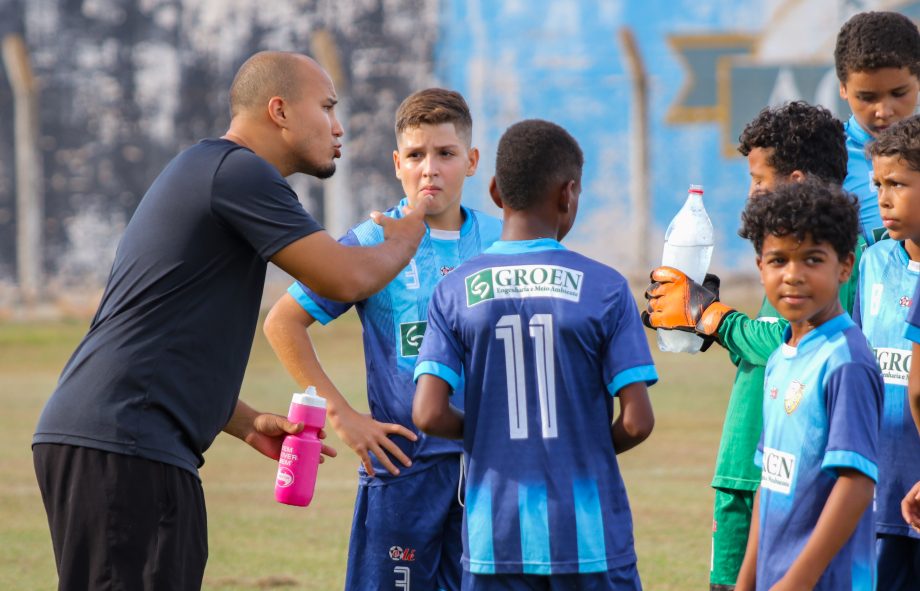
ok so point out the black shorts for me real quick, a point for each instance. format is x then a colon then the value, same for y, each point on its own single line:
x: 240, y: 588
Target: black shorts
x: 121, y: 522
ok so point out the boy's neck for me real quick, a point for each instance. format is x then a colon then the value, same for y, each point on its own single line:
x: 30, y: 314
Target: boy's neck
x: 913, y: 249
x: 800, y: 329
x: 449, y: 221
x: 516, y: 226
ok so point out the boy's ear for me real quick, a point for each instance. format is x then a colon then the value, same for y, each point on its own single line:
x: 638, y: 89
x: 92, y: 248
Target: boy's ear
x: 472, y: 161
x: 396, y: 164
x: 760, y: 267
x: 493, y: 192
x: 797, y: 176
x: 846, y: 267
x: 566, y: 196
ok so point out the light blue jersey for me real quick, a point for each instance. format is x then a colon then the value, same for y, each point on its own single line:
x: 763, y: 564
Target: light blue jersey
x: 888, y: 279
x: 394, y: 322
x: 859, y: 182
x: 822, y: 401
x: 545, y: 337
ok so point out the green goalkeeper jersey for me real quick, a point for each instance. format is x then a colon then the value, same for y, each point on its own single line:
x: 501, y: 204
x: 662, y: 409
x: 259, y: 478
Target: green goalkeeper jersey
x: 750, y: 342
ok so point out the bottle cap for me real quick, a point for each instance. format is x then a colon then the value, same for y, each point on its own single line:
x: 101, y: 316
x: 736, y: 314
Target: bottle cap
x: 309, y: 397
x: 696, y: 189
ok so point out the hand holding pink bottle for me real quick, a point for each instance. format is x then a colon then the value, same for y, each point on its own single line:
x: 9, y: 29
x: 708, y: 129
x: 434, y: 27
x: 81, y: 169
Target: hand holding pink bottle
x: 300, y: 453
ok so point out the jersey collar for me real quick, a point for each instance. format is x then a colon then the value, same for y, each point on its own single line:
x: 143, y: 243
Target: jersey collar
x: 523, y: 246
x: 836, y: 324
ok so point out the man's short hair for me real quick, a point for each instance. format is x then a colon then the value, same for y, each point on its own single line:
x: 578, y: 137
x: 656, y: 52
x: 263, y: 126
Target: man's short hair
x: 874, y: 40
x: 803, y: 137
x: 264, y: 75
x: 434, y: 106
x: 533, y: 155
x: 902, y: 140
x: 809, y: 208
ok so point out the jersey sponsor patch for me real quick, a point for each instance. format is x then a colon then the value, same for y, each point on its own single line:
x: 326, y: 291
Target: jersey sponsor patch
x: 524, y: 281
x: 895, y: 365
x: 410, y: 337
x: 778, y: 470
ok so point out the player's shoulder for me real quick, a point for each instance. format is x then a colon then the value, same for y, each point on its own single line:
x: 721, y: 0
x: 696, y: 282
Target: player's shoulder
x: 848, y: 346
x: 369, y: 233
x: 881, y: 250
x: 488, y: 224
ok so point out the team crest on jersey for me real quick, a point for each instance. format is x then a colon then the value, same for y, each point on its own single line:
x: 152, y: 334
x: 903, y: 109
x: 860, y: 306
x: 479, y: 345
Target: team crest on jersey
x: 524, y: 281
x: 793, y: 396
x: 445, y: 270
x: 399, y: 553
x: 410, y: 337
x: 895, y: 365
x: 904, y: 302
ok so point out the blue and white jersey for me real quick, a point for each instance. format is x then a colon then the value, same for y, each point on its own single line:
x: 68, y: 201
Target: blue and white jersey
x: 821, y: 406
x: 544, y: 337
x: 887, y: 279
x: 394, y: 322
x: 859, y: 182
x: 912, y: 330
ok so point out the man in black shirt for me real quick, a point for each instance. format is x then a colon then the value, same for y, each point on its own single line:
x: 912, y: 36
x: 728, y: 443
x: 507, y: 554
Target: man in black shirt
x: 157, y: 377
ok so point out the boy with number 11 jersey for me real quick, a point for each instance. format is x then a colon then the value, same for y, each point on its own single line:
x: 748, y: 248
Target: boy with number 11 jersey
x: 544, y: 339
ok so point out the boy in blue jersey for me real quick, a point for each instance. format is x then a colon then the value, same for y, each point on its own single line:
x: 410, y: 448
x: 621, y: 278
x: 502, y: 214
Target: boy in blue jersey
x: 782, y: 144
x: 406, y: 527
x: 538, y: 340
x: 877, y: 58
x: 888, y: 278
x: 811, y: 527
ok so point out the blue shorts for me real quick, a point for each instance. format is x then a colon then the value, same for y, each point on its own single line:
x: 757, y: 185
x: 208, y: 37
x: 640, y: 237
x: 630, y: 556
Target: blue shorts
x: 405, y: 534
x: 898, y: 563
x: 624, y: 578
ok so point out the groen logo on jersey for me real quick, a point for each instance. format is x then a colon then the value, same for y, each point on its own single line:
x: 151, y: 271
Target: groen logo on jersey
x: 410, y: 337
x: 895, y: 365
x: 524, y: 281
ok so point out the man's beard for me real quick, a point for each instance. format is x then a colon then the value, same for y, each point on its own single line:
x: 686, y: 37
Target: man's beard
x: 320, y: 172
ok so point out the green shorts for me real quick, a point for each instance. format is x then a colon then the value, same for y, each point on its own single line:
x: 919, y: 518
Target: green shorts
x: 731, y: 522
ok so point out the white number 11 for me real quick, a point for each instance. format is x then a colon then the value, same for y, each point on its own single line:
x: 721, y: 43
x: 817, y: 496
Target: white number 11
x: 508, y: 329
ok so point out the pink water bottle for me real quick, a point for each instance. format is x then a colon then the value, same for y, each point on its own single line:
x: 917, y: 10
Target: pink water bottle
x: 300, y: 453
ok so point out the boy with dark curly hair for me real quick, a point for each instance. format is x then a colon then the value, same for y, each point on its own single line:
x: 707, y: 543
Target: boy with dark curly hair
x: 888, y: 278
x: 877, y: 57
x: 812, y: 526
x: 783, y: 145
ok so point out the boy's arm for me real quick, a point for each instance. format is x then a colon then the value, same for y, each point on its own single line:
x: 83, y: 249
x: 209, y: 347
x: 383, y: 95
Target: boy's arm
x: 747, y: 576
x: 636, y: 419
x: 432, y: 411
x: 750, y: 340
x: 849, y: 499
x: 676, y: 302
x: 286, y: 329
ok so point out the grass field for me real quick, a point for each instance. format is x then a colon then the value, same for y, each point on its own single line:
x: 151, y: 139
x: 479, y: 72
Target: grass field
x: 256, y: 543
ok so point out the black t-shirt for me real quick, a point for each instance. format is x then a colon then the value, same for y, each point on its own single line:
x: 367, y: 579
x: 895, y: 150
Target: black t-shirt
x: 159, y: 372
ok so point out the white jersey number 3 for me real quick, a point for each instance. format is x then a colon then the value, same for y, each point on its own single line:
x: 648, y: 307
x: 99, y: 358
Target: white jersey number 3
x: 508, y: 329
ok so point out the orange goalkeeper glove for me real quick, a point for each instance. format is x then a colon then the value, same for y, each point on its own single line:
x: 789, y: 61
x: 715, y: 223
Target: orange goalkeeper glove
x: 676, y: 302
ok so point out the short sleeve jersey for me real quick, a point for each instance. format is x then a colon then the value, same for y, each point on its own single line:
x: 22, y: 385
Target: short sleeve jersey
x: 543, y: 337
x: 159, y: 372
x: 822, y: 401
x: 889, y: 278
x: 859, y: 182
x: 394, y: 322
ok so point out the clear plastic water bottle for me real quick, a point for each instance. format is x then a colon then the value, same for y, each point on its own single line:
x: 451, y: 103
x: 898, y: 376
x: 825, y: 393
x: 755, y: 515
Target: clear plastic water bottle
x: 299, y: 459
x: 688, y: 247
